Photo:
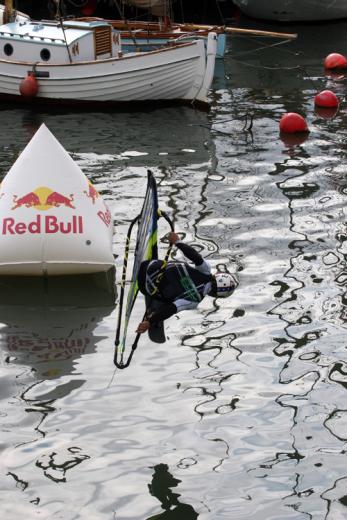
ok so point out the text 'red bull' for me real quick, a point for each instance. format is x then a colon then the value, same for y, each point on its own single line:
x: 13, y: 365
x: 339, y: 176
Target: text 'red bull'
x: 48, y: 224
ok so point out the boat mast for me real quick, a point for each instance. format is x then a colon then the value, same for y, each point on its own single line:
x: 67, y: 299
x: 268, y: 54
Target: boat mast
x: 59, y: 17
x: 9, y: 14
x: 125, y: 22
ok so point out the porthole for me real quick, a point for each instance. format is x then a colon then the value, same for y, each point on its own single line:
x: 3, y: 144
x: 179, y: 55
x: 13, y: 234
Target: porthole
x: 45, y: 54
x: 8, y: 49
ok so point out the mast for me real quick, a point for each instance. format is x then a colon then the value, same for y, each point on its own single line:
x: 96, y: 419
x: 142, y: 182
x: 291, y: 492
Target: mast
x: 9, y: 14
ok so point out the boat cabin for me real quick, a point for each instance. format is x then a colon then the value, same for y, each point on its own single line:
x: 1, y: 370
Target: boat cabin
x: 53, y: 42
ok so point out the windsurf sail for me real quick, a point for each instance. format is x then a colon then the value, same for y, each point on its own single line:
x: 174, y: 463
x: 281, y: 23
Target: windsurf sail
x: 146, y: 249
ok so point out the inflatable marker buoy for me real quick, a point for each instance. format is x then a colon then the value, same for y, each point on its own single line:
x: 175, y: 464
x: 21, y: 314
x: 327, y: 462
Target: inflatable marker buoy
x: 29, y: 86
x: 292, y: 123
x: 335, y: 61
x: 326, y: 99
x: 53, y: 221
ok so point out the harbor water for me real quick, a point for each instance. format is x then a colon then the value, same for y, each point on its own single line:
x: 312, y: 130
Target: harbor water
x: 241, y: 414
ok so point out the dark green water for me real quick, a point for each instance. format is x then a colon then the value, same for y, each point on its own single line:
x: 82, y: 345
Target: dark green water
x: 241, y: 414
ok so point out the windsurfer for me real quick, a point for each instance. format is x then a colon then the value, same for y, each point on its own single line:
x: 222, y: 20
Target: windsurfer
x: 181, y: 286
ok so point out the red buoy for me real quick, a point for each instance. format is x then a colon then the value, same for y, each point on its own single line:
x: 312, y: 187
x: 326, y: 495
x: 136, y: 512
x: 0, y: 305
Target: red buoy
x: 29, y: 86
x: 335, y: 61
x: 326, y: 99
x: 292, y: 123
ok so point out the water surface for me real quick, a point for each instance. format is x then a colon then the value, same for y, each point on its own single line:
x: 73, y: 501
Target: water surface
x: 241, y: 414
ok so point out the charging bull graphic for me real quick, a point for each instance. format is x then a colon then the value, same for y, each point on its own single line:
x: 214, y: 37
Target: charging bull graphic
x: 92, y: 193
x: 42, y: 198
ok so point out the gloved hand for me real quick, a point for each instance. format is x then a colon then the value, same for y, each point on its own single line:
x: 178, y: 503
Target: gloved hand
x: 173, y: 237
x: 143, y: 327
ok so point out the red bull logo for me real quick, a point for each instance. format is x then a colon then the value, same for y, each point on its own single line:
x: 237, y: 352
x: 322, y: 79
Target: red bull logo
x: 92, y: 193
x: 105, y: 216
x: 42, y: 199
x: 48, y: 224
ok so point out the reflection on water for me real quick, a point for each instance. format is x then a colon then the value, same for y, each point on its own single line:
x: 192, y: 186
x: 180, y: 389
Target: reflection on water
x: 47, y: 326
x: 48, y: 323
x: 160, y: 487
x: 118, y: 137
x: 241, y: 414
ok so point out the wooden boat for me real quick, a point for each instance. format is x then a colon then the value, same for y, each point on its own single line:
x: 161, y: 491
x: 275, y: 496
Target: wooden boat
x: 82, y: 61
x: 52, y: 219
x: 147, y: 36
x: 294, y: 10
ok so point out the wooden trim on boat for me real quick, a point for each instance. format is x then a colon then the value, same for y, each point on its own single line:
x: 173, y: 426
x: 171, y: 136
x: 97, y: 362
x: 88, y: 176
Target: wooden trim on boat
x: 102, y: 41
x: 186, y: 28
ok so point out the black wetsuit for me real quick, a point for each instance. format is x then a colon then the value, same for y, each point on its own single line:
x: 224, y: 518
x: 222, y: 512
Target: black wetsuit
x: 181, y: 285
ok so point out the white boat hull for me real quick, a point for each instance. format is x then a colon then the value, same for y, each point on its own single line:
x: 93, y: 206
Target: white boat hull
x: 294, y: 10
x: 169, y: 74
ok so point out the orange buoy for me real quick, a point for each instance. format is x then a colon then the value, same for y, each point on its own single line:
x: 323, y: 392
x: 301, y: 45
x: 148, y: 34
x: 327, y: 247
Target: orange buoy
x: 326, y: 99
x: 292, y: 123
x: 29, y: 86
x: 335, y: 61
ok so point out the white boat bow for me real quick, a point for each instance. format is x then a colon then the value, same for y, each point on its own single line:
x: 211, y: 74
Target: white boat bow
x: 83, y: 62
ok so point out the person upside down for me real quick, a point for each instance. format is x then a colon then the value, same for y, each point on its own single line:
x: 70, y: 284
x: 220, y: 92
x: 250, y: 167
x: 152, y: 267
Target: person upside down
x: 182, y: 286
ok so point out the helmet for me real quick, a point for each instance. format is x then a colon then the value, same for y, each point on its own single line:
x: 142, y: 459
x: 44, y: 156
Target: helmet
x: 225, y: 285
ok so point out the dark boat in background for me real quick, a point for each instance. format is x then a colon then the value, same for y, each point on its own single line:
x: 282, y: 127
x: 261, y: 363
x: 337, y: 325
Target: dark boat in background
x: 194, y: 11
x: 294, y: 10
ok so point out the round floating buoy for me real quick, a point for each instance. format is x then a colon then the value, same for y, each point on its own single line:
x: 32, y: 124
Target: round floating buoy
x: 29, y: 86
x: 326, y: 99
x: 335, y: 61
x: 292, y: 123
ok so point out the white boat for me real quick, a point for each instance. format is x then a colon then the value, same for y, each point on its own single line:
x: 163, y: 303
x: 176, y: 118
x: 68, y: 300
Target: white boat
x: 294, y: 10
x: 75, y: 61
x: 52, y: 219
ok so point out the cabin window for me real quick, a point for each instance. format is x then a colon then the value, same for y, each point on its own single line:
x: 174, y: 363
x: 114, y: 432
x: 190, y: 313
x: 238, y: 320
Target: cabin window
x: 45, y: 54
x: 8, y: 49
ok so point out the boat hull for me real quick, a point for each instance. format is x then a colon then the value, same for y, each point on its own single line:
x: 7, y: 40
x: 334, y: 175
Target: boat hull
x: 294, y: 10
x: 177, y: 73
